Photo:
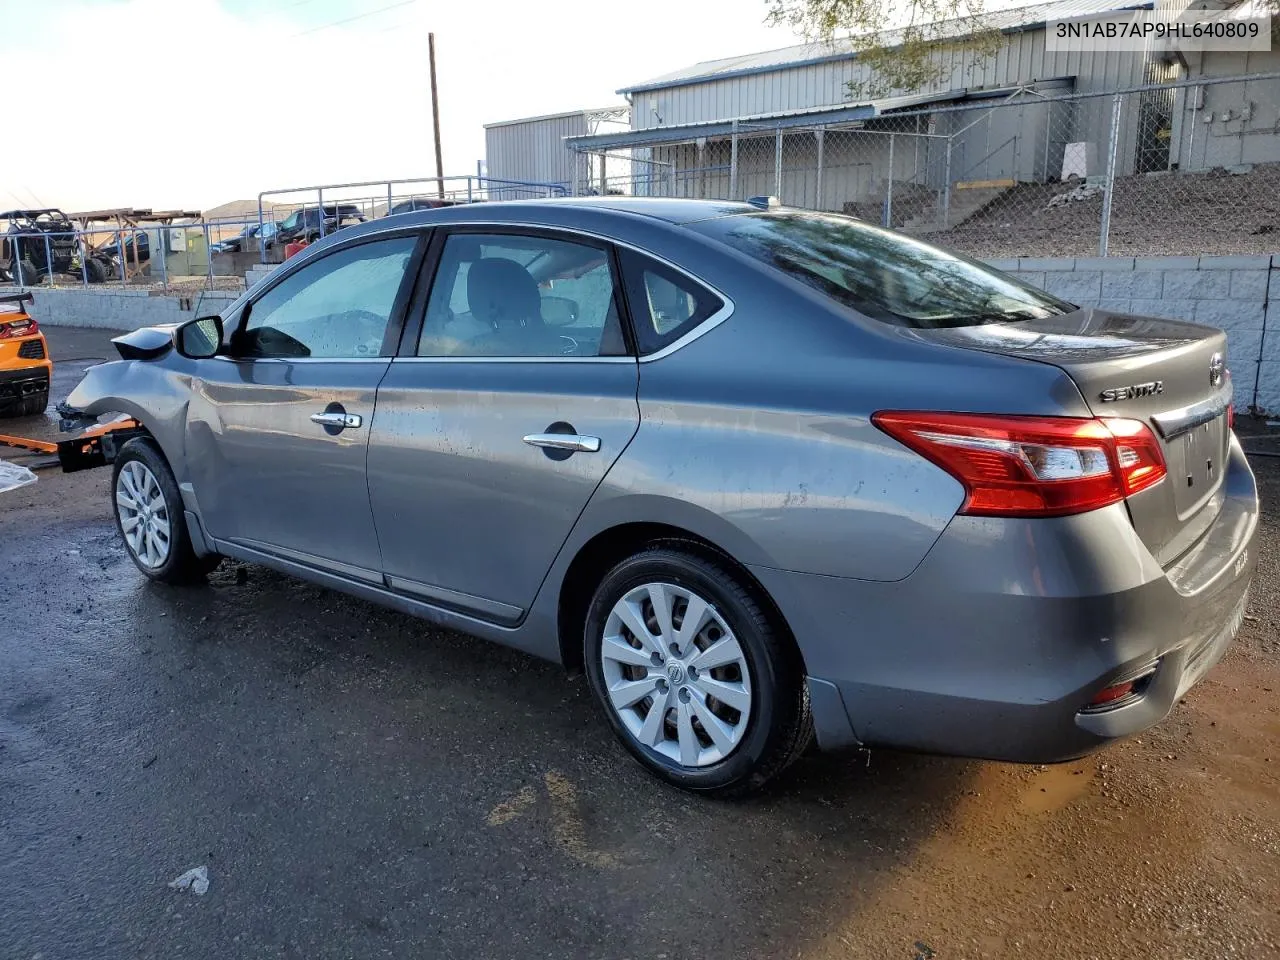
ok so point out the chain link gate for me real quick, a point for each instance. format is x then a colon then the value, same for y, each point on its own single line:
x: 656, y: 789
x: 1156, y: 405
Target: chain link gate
x: 1184, y: 167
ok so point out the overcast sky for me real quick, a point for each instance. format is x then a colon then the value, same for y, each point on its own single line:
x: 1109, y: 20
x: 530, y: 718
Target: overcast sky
x: 192, y: 103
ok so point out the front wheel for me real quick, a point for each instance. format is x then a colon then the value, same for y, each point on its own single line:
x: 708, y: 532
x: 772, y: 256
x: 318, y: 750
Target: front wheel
x: 697, y: 680
x: 30, y: 274
x: 150, y: 517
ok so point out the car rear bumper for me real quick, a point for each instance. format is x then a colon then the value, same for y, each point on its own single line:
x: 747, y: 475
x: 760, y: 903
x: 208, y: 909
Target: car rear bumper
x: 995, y: 644
x: 22, y: 381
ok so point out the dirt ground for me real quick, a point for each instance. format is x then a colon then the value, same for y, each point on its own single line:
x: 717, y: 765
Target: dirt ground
x: 360, y: 784
x: 1152, y: 215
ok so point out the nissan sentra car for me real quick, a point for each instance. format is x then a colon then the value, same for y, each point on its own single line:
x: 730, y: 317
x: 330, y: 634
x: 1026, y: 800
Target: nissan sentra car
x: 762, y: 474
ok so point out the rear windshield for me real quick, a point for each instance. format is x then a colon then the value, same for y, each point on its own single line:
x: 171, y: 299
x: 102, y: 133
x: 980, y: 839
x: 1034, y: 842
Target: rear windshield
x: 885, y: 275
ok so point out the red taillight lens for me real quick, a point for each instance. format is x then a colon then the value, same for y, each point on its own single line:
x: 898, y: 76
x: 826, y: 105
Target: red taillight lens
x: 1109, y: 695
x: 1231, y: 416
x: 1033, y: 466
x: 18, y: 328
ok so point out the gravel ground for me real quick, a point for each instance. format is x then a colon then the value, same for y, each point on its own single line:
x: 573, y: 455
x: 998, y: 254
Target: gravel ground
x: 360, y: 784
x: 1171, y: 214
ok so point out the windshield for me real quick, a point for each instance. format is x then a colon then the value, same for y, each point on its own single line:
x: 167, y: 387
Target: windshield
x: 883, y: 274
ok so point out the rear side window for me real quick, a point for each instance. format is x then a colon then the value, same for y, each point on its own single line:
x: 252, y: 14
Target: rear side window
x: 885, y: 275
x: 665, y: 304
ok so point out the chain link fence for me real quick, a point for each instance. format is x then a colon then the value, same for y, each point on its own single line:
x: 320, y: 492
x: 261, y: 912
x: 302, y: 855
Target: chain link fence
x: 1172, y: 167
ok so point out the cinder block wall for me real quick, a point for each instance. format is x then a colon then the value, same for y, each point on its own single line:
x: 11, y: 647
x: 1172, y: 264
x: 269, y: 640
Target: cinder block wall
x: 123, y: 309
x: 1232, y: 293
x: 1227, y: 292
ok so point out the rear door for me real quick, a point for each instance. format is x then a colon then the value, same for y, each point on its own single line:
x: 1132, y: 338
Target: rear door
x: 500, y: 416
x: 278, y: 426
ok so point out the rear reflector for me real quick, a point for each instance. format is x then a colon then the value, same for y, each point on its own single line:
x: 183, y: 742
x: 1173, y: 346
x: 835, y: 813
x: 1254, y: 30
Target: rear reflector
x: 1111, y: 694
x: 1033, y: 466
x: 1119, y: 693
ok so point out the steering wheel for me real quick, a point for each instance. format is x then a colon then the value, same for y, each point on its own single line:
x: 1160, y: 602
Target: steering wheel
x: 571, y: 347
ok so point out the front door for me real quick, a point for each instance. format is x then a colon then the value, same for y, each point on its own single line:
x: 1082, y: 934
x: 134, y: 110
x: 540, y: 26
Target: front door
x: 278, y: 427
x: 498, y: 421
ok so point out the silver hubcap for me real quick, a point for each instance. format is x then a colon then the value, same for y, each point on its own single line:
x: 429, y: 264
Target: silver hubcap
x: 144, y: 516
x: 676, y: 675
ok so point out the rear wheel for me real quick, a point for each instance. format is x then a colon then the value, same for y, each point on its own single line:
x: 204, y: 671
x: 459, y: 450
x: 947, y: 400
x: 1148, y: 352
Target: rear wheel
x: 150, y: 517
x: 96, y: 270
x: 696, y: 679
x: 33, y: 404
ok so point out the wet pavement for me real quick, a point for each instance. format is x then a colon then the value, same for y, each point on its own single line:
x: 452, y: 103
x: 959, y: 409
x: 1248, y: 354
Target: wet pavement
x: 360, y: 784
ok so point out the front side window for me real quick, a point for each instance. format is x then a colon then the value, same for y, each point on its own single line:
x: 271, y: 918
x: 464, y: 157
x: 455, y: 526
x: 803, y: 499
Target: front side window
x: 521, y: 296
x: 882, y: 274
x: 337, y: 307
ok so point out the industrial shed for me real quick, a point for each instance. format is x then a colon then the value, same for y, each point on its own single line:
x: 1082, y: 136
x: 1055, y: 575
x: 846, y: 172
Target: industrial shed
x: 782, y: 121
x: 533, y: 149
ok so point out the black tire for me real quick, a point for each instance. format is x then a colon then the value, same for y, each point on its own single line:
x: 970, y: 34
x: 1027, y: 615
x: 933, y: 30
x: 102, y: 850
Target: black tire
x: 180, y: 565
x: 30, y: 275
x: 96, y: 270
x: 779, y: 725
x: 32, y: 405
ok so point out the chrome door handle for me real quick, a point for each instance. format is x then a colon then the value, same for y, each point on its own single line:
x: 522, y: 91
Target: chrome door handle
x: 564, y: 441
x: 341, y: 420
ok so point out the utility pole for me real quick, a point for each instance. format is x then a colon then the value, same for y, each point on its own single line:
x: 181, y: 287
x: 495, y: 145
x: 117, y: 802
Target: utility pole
x: 435, y: 115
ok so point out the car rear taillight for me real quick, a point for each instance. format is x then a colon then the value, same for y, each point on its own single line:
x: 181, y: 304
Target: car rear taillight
x: 18, y: 328
x: 1013, y: 466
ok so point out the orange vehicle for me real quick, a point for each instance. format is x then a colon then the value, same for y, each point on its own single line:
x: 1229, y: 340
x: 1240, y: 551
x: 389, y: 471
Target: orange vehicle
x: 25, y: 368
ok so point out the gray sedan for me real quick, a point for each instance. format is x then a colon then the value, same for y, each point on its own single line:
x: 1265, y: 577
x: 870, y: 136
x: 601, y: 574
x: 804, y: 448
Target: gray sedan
x: 761, y: 474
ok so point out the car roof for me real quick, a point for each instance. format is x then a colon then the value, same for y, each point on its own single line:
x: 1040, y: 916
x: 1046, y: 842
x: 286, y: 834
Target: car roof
x: 664, y: 210
x: 670, y: 209
x: 564, y: 212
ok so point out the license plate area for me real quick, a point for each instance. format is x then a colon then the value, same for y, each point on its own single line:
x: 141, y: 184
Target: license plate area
x: 1196, y: 460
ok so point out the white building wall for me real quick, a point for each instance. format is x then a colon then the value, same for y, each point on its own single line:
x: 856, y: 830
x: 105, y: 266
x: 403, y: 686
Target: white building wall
x: 533, y: 150
x: 1021, y: 59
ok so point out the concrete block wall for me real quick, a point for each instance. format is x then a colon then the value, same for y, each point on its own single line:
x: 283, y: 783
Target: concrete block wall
x: 259, y: 271
x: 105, y: 308
x: 1232, y: 293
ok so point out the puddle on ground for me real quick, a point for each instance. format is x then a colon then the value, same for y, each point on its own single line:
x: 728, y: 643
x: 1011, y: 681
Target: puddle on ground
x: 1056, y: 786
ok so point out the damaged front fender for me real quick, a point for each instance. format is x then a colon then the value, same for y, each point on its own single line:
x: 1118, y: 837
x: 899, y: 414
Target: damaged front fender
x: 148, y: 392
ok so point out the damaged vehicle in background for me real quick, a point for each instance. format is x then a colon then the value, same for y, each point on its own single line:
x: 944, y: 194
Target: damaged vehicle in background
x: 761, y: 474
x: 38, y: 243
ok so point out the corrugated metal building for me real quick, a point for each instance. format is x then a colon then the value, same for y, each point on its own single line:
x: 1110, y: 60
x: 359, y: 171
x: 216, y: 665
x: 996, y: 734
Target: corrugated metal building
x: 691, y: 128
x: 533, y: 149
x: 783, y: 122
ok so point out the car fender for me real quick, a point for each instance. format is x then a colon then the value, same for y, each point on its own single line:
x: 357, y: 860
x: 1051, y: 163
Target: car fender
x: 150, y: 392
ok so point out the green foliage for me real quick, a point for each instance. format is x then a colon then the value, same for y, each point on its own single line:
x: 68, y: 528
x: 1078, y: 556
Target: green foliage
x: 897, y: 41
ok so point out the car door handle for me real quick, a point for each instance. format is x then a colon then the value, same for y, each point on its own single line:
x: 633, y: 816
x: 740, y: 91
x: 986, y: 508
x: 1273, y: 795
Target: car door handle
x: 564, y: 441
x: 347, y: 421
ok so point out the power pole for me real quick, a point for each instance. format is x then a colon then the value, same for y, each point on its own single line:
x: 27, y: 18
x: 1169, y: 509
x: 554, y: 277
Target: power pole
x: 435, y: 115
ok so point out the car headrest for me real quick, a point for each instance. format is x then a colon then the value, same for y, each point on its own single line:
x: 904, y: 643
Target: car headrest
x: 503, y: 293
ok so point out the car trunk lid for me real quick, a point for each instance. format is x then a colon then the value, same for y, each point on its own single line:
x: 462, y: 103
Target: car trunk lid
x: 1167, y: 373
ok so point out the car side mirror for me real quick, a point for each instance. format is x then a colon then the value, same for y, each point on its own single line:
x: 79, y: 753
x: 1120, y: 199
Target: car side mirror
x: 199, y: 339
